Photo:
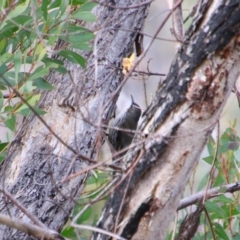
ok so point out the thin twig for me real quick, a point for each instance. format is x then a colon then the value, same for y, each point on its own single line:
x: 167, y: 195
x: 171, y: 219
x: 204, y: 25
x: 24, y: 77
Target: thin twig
x: 211, y: 193
x: 100, y: 230
x: 28, y: 228
x: 22, y: 208
x: 122, y: 203
x: 210, y: 223
x: 213, y: 162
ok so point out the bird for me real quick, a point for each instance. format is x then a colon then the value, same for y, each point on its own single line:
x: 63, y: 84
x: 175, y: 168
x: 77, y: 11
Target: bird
x: 121, y: 133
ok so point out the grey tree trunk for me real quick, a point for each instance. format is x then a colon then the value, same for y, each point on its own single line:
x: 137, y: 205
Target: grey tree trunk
x: 37, y: 160
x: 176, y: 125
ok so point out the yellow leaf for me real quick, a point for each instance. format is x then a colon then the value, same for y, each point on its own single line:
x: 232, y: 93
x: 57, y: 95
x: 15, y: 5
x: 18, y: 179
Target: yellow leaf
x: 127, y: 63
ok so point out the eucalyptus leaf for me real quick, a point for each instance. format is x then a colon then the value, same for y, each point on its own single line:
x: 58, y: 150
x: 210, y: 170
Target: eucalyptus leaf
x: 85, y: 16
x: 17, y: 63
x: 42, y: 84
x: 73, y: 57
x: 88, y: 6
x: 18, y: 10
x: 39, y: 72
x: 11, y: 122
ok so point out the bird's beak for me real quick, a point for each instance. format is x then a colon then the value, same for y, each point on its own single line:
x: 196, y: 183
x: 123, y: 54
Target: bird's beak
x: 132, y: 100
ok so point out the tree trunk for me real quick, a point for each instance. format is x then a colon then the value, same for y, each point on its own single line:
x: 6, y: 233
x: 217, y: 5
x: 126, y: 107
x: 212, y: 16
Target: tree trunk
x: 83, y: 100
x: 176, y: 125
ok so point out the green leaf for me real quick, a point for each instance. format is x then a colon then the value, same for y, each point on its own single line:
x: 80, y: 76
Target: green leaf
x: 6, y: 57
x: 54, y: 35
x: 229, y: 141
x: 27, y: 87
x: 8, y: 31
x: 3, y: 146
x: 22, y: 19
x: 42, y: 84
x: 213, y: 208
x: 221, y: 233
x: 55, y: 4
x: 39, y: 72
x: 88, y: 6
x: 79, y: 38
x: 73, y: 57
x: 75, y: 29
x: 3, y: 4
x: 2, y: 44
x: 3, y: 69
x: 11, y: 122
x: 82, y: 46
x: 19, y: 9
x: 230, y: 155
x: 45, y: 4
x: 91, y: 180
x: 219, y: 180
x: 234, y: 123
x: 39, y: 111
x: 8, y: 109
x: 69, y: 232
x: 28, y: 111
x: 17, y: 63
x: 63, y: 6
x: 101, y: 178
x: 47, y: 60
x: 223, y: 143
x: 40, y: 51
x: 51, y: 65
x: 223, y: 199
x: 84, y: 15
x: 10, y: 78
x: 62, y: 70
x: 77, y: 2
x: 230, y: 210
x: 211, y: 146
x: 32, y: 102
x: 85, y: 216
x: 208, y: 159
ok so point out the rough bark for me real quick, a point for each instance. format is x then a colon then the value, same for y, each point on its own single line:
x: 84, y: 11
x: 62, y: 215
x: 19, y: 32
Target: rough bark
x: 83, y: 99
x: 176, y: 125
x: 190, y: 224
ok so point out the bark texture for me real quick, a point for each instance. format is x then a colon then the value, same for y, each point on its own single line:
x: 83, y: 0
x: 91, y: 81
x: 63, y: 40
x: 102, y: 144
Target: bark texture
x: 37, y: 161
x: 176, y: 125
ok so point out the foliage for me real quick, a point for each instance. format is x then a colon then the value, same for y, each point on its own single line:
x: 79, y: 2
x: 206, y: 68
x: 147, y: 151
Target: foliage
x: 90, y: 215
x: 29, y: 31
x: 223, y: 210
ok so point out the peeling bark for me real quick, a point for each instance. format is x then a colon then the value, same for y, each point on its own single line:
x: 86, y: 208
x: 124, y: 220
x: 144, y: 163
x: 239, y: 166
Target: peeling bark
x: 190, y: 224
